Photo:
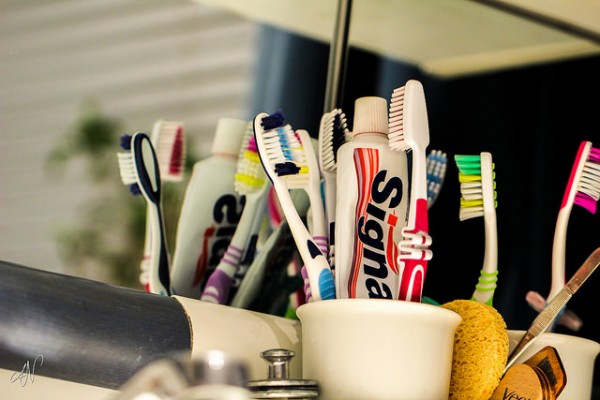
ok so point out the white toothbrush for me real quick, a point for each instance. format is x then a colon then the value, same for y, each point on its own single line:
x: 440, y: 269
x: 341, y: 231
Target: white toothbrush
x: 282, y: 156
x: 583, y: 189
x: 139, y: 169
x: 409, y: 131
x: 478, y: 199
x: 318, y: 227
x: 168, y: 139
x: 333, y: 132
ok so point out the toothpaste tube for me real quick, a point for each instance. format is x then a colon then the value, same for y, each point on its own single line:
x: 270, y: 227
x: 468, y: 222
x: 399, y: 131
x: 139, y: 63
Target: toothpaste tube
x: 371, y: 209
x: 210, y: 212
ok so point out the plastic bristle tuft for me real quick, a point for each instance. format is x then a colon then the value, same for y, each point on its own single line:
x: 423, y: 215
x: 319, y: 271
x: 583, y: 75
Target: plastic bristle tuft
x: 471, y: 186
x: 287, y: 168
x: 588, y: 187
x: 125, y: 141
x: 252, y: 145
x: 594, y: 155
x: 134, y: 189
x: 340, y: 132
x: 396, y: 119
x: 585, y: 201
x: 273, y: 121
x: 177, y: 153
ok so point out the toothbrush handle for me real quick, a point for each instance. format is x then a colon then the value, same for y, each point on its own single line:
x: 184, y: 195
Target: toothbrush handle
x: 322, y: 244
x: 317, y: 266
x: 413, y: 255
x: 159, y: 268
x: 330, y: 193
x: 558, y: 252
x: 147, y: 257
x: 250, y: 285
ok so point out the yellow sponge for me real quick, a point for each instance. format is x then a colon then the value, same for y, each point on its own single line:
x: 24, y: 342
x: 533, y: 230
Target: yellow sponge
x: 480, y: 350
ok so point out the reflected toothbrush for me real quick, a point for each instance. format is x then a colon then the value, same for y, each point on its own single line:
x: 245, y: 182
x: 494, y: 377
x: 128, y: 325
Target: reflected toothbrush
x: 252, y: 281
x: 168, y: 140
x: 409, y: 131
x: 478, y: 199
x: 436, y: 172
x: 547, y: 317
x: 139, y: 169
x: 250, y: 181
x: 282, y: 157
x: 567, y: 318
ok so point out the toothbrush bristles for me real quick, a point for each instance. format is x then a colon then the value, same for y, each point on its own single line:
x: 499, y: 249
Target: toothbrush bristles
x: 287, y: 168
x: 588, y: 188
x: 125, y: 141
x: 396, y: 120
x: 340, y: 131
x: 177, y: 153
x: 272, y: 121
x: 134, y: 189
x: 471, y: 186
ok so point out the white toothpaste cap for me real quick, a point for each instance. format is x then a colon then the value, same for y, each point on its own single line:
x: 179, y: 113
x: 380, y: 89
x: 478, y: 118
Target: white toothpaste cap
x: 370, y: 115
x: 228, y: 136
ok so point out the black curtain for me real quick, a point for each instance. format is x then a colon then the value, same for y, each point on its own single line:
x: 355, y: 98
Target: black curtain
x: 531, y: 120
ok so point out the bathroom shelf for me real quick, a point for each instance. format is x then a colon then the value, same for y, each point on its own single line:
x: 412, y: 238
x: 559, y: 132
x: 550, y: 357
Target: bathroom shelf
x: 445, y: 38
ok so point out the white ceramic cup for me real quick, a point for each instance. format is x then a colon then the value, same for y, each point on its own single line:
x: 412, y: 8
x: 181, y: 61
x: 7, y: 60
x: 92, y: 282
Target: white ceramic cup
x: 374, y: 349
x: 576, y: 354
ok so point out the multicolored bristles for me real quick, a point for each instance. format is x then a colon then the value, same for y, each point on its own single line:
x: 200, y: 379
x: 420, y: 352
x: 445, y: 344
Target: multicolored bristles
x: 437, y: 162
x: 169, y: 141
x: 583, y: 189
x: 284, y: 157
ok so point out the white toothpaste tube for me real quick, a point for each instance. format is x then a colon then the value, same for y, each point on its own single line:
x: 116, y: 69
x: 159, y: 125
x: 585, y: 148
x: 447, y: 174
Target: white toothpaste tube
x: 210, y: 212
x: 371, y: 206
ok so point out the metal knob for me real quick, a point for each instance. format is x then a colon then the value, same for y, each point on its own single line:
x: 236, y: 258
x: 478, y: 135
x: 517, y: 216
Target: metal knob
x: 278, y: 385
x: 279, y: 362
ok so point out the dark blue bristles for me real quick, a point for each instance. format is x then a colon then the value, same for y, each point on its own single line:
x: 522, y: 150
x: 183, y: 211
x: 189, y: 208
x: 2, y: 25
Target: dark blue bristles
x: 288, y: 168
x: 125, y: 141
x: 339, y: 134
x: 273, y: 121
x: 134, y: 189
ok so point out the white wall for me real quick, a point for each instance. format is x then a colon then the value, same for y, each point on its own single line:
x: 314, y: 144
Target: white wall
x: 139, y: 59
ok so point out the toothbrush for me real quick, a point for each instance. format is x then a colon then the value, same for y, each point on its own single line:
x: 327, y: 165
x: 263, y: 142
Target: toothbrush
x: 253, y: 279
x: 567, y: 318
x: 409, y: 131
x: 283, y: 160
x: 318, y: 225
x: 333, y: 132
x: 478, y: 191
x: 250, y: 182
x: 583, y: 189
x: 168, y: 140
x: 436, y: 172
x: 139, y: 168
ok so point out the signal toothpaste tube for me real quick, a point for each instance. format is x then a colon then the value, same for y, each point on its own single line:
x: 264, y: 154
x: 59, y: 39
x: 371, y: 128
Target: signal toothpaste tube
x: 371, y: 207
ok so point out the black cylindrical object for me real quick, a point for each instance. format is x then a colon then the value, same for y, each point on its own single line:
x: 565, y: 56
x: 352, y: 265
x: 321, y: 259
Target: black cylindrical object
x: 86, y: 331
